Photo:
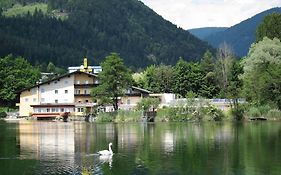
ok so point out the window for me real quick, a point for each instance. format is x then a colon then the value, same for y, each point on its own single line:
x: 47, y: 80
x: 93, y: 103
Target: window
x: 42, y: 90
x: 80, y: 109
x: 66, y: 91
x: 26, y: 99
x: 56, y: 91
x: 48, y: 109
x: 96, y: 81
x: 128, y: 101
x: 77, y: 82
x: 56, y: 101
x: 129, y: 91
x: 65, y: 82
x: 86, y: 82
x: 65, y: 100
x: 77, y: 91
x: 86, y: 101
x: 61, y: 109
x: 53, y: 110
x: 42, y: 99
x: 85, y: 91
x: 34, y: 99
x: 55, y: 82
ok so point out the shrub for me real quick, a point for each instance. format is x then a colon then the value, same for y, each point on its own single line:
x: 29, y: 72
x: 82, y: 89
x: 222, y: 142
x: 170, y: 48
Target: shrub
x: 128, y: 116
x: 173, y: 114
x: 3, y: 114
x: 119, y: 116
x: 253, y: 112
x: 179, y: 114
x: 214, y: 113
x: 238, y: 112
x: 147, y: 103
x: 274, y: 113
x: 264, y: 109
x: 106, y: 116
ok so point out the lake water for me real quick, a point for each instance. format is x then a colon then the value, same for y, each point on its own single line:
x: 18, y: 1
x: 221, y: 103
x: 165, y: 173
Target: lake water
x: 31, y: 147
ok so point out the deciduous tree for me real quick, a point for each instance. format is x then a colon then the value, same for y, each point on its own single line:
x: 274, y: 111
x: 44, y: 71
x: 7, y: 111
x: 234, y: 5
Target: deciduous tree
x: 262, y: 72
x: 225, y: 58
x: 15, y: 74
x: 188, y: 78
x: 159, y: 79
x: 115, y: 78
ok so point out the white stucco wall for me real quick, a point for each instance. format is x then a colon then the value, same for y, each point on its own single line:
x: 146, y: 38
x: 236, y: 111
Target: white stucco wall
x: 47, y: 91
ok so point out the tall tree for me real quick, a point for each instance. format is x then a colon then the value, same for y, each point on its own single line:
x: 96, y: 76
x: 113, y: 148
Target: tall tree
x: 15, y: 74
x: 115, y: 78
x: 210, y: 87
x: 225, y: 58
x: 188, y: 78
x: 270, y: 27
x: 262, y: 72
x: 207, y: 63
x: 234, y: 90
x: 159, y: 79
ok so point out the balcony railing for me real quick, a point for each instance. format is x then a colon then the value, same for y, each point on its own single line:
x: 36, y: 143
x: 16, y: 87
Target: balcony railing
x: 85, y: 85
x: 83, y: 95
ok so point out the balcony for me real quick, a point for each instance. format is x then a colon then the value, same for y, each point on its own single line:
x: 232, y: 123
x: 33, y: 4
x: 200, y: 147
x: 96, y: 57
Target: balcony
x: 85, y: 85
x: 82, y: 95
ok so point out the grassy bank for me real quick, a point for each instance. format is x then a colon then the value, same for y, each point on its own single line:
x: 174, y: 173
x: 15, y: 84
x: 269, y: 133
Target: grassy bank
x: 264, y: 111
x: 185, y: 114
x: 181, y: 114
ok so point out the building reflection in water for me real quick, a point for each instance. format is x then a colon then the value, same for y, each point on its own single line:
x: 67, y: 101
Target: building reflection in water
x: 47, y: 139
x: 49, y: 142
x: 168, y: 142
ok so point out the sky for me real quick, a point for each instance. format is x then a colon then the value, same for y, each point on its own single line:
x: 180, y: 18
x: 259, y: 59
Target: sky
x: 189, y: 14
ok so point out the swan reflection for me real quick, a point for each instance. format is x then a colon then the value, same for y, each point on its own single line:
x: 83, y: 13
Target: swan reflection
x: 106, y: 159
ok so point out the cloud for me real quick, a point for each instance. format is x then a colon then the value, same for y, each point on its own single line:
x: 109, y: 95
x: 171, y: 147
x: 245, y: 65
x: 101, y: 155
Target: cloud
x: 209, y: 13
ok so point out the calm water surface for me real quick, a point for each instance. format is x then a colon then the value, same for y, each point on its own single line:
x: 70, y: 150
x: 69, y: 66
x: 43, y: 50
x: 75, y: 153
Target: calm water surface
x: 162, y: 148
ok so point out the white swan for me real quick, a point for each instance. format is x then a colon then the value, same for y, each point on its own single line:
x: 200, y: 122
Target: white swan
x: 106, y: 152
x: 106, y: 159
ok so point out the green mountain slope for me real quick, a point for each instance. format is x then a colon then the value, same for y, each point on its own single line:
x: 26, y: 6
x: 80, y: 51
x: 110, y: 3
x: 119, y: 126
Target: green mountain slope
x: 94, y: 28
x: 240, y: 36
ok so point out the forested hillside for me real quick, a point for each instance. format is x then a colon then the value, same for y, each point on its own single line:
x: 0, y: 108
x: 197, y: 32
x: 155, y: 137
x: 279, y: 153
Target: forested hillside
x: 206, y: 31
x: 95, y: 28
x: 241, y: 36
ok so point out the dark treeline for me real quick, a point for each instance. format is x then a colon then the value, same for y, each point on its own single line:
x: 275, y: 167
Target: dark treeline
x: 95, y: 28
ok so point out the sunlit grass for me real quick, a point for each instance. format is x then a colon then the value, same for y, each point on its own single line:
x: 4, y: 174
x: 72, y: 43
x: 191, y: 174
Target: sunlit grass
x: 19, y: 10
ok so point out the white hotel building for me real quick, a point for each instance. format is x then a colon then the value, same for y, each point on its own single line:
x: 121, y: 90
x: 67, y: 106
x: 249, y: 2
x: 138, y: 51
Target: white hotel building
x: 67, y: 93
